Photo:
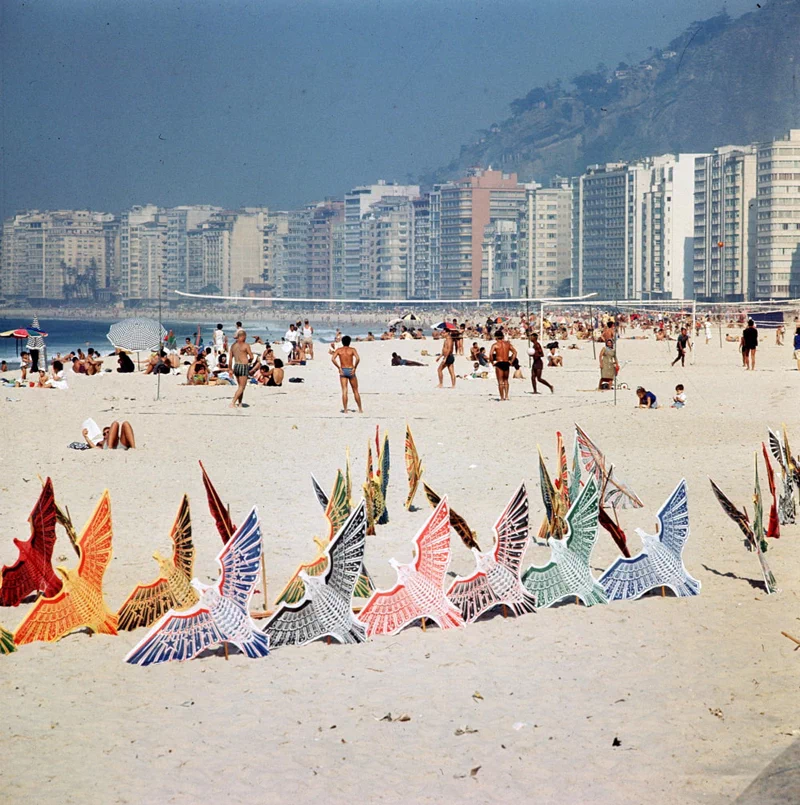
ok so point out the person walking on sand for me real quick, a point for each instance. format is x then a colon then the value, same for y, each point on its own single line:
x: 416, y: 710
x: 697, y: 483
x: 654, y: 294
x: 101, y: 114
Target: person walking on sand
x: 447, y: 361
x: 537, y: 353
x: 502, y: 354
x: 749, y: 345
x: 239, y: 358
x: 346, y: 360
x: 683, y: 343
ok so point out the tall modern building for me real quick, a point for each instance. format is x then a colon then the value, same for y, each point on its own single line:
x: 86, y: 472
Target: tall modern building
x: 500, y: 269
x: 387, y: 238
x: 463, y: 211
x: 357, y: 204
x: 55, y: 255
x: 725, y: 220
x: 778, y: 229
x: 320, y: 257
x: 545, y: 240
x: 179, y: 221
x: 422, y: 283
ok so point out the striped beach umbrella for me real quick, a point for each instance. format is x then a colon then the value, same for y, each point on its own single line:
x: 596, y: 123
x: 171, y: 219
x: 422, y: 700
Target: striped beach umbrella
x: 35, y: 337
x: 137, y: 334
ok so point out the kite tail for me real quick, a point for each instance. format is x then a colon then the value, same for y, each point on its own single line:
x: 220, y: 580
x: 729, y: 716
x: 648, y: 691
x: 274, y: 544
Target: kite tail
x: 257, y: 645
x: 357, y: 634
x: 528, y: 604
x: 109, y: 625
x: 384, y: 518
x: 596, y: 596
x: 688, y: 587
x: 451, y: 619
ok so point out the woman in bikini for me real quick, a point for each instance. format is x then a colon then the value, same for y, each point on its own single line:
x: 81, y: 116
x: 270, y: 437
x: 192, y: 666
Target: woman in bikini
x: 537, y: 353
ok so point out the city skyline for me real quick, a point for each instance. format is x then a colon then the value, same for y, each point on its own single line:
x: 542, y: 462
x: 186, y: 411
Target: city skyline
x: 109, y: 105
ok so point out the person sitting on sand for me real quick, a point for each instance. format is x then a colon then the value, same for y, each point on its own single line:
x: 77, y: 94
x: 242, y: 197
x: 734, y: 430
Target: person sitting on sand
x: 274, y: 377
x: 679, y: 400
x: 114, y: 436
x: 188, y: 348
x: 3, y: 367
x: 222, y: 371
x: 197, y: 374
x: 158, y: 364
x: 124, y: 363
x: 94, y: 365
x: 553, y: 358
x: 646, y: 398
x: 517, y: 370
x: 398, y: 361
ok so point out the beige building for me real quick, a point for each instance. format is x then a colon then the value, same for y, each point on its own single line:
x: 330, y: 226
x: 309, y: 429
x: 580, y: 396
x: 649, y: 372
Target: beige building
x: 55, y: 255
x: 778, y: 227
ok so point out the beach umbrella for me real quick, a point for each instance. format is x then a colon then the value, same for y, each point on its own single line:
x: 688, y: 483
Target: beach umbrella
x: 137, y: 334
x: 395, y: 322
x: 35, y: 335
x: 409, y: 317
x: 445, y: 325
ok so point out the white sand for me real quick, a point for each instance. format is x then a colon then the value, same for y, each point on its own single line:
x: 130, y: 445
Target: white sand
x: 80, y: 726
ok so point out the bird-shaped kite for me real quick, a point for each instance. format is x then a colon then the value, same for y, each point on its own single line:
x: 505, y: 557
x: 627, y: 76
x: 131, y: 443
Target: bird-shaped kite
x: 219, y: 511
x: 326, y: 608
x: 33, y: 570
x: 336, y: 512
x: 556, y: 502
x: 319, y: 492
x: 787, y: 511
x: 6, y: 642
x: 457, y: 522
x: 80, y: 604
x: 173, y: 587
x: 418, y: 592
x: 568, y: 572
x: 377, y: 484
x: 751, y: 542
x: 496, y: 579
x: 222, y: 613
x: 413, y: 467
x: 660, y: 562
x: 773, y: 522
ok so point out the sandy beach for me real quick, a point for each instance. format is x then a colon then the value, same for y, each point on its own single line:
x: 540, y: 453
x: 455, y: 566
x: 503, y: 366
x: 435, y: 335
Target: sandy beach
x: 699, y: 694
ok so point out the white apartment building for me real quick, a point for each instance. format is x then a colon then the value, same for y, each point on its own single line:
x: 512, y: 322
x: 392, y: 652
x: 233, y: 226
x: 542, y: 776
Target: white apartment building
x: 778, y: 227
x: 387, y: 238
x: 357, y: 204
x: 724, y: 260
x: 55, y: 255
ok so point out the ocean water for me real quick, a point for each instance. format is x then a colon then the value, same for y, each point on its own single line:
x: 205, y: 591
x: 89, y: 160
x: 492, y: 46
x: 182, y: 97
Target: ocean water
x: 64, y: 335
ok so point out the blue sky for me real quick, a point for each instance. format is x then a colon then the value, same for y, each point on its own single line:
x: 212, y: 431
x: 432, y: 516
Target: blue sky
x: 110, y: 103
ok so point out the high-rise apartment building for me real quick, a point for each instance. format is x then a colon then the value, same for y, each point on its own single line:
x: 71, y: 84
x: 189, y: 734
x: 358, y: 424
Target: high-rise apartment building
x: 55, y: 255
x: 500, y: 271
x: 463, y: 211
x: 422, y: 284
x: 778, y: 227
x: 724, y: 240
x: 320, y: 258
x: 357, y: 204
x: 545, y: 240
x: 387, y: 248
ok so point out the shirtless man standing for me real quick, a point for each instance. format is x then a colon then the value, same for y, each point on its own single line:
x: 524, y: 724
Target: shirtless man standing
x: 346, y: 360
x: 448, y: 359
x: 501, y: 355
x: 239, y: 358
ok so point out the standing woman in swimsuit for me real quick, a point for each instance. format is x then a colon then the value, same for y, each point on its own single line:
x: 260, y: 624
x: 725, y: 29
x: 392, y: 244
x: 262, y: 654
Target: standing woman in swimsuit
x: 239, y: 359
x: 537, y: 353
x: 501, y: 355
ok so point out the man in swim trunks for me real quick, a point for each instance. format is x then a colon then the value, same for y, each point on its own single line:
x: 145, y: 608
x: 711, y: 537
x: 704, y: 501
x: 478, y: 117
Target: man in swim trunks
x: 448, y: 359
x: 346, y: 360
x: 749, y: 345
x: 240, y: 357
x: 537, y: 353
x: 501, y: 355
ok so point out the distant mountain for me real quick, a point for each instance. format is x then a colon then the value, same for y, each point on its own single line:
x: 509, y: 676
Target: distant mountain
x: 721, y: 82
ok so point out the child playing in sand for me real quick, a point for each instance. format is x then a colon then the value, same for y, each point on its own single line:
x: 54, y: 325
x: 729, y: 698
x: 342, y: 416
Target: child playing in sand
x: 646, y: 398
x: 679, y: 400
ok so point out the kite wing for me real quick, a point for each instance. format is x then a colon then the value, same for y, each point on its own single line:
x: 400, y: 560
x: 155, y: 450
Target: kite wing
x: 413, y: 467
x: 388, y: 612
x: 773, y: 522
x: 546, y: 584
x: 240, y: 560
x: 776, y: 447
x: 346, y: 553
x: 181, y: 535
x: 673, y: 520
x: 562, y: 482
x: 594, y: 462
x: 740, y: 518
x: 548, y: 490
x: 582, y: 521
x: 49, y: 619
x: 347, y: 478
x: 295, y: 589
x: 618, y: 494
x: 433, y: 545
x: 338, y: 507
x: 177, y: 636
x: 294, y: 625
x: 575, y: 476
x: 146, y: 604
x: 457, y: 522
x: 33, y: 571
x: 219, y: 511
x: 6, y: 642
x: 384, y: 463
x: 511, y: 531
x: 318, y: 491
x: 472, y: 596
x: 630, y: 578
x: 95, y: 544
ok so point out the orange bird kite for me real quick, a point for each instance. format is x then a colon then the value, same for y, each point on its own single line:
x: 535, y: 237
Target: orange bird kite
x: 80, y: 604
